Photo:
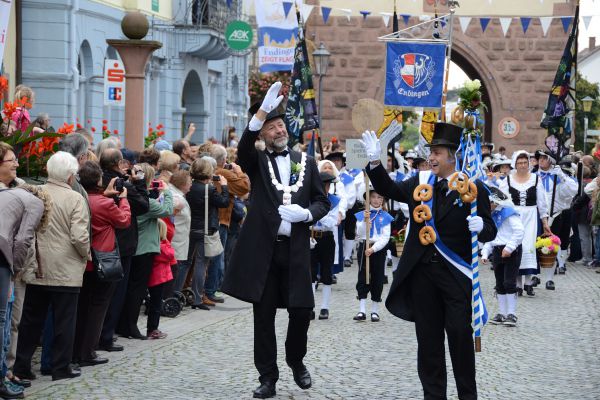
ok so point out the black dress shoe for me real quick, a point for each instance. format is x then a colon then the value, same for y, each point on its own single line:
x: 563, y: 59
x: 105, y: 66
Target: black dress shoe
x: 138, y: 335
x: 8, y: 393
x: 550, y: 285
x: 68, y: 374
x: 25, y: 375
x: 266, y: 390
x: 529, y: 290
x: 111, y: 347
x: 301, y: 376
x: 361, y: 316
x: 200, y: 307
x: 93, y: 361
x: 385, y: 280
x: 324, y: 314
x: 312, y: 315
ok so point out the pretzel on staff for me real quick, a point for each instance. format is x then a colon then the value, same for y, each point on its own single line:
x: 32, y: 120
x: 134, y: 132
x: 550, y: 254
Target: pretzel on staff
x: 427, y: 235
x: 459, y: 182
x: 471, y: 194
x: 422, y: 213
x: 423, y: 192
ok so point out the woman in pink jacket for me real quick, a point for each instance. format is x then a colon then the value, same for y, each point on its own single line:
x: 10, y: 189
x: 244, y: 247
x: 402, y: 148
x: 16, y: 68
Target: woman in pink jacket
x: 110, y: 210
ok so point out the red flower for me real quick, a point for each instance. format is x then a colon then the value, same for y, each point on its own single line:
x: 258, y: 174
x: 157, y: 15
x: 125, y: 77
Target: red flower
x: 104, y: 121
x: 93, y: 129
x: 116, y: 132
x: 9, y: 109
x: 79, y: 126
x: 89, y: 122
x: 150, y: 130
x: 159, y: 126
x: 3, y: 86
x: 104, y: 127
x: 161, y: 133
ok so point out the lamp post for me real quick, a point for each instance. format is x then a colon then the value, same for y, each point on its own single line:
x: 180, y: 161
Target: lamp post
x: 321, y: 56
x: 587, y: 102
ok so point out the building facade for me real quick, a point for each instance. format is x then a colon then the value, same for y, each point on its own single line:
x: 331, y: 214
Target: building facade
x: 193, y: 78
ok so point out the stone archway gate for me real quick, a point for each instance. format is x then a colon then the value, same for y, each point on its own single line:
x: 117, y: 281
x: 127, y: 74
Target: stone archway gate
x: 517, y: 69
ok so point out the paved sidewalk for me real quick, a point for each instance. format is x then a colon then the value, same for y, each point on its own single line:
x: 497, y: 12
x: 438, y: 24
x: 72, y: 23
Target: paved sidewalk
x: 553, y: 353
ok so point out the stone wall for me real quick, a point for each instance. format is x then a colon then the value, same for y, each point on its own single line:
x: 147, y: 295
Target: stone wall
x: 517, y: 70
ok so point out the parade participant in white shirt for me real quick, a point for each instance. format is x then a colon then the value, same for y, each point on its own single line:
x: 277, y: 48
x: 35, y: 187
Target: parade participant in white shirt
x: 559, y: 208
x: 323, y: 245
x: 506, y: 250
x: 379, y: 231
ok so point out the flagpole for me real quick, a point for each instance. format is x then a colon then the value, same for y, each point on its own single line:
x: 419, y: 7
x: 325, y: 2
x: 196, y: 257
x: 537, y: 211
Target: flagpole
x: 367, y: 228
x: 574, y: 119
x: 448, y: 59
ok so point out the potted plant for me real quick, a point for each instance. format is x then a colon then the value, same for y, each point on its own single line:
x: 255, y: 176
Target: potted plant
x: 547, y: 250
x: 399, y: 237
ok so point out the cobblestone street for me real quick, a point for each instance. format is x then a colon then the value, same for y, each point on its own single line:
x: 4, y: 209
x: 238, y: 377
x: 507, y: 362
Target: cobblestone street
x: 552, y: 354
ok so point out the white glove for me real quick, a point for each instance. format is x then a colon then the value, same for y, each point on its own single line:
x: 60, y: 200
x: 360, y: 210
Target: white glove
x: 558, y: 171
x: 313, y: 243
x: 271, y: 100
x: 475, y: 224
x: 293, y: 213
x: 372, y: 146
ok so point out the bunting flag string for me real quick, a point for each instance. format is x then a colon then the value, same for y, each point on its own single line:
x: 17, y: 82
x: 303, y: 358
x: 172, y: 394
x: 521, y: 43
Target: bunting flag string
x: 386, y: 18
x: 325, y: 11
x: 365, y: 14
x: 505, y: 24
x: 586, y: 21
x: 287, y: 6
x: 347, y: 12
x: 405, y: 18
x: 305, y: 10
x: 229, y: 3
x: 464, y: 23
x: 484, y: 23
x: 525, y: 21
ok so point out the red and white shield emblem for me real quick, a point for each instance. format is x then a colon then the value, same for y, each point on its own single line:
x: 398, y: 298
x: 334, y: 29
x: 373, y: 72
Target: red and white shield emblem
x: 414, y: 68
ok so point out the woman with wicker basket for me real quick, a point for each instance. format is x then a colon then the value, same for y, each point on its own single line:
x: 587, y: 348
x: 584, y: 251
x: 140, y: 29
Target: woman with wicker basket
x: 526, y: 191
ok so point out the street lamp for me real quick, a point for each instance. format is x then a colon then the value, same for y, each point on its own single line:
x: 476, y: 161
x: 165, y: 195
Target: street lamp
x: 587, y: 102
x: 321, y: 56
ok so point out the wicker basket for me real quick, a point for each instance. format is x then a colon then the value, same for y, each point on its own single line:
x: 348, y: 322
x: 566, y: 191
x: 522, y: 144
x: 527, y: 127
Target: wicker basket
x: 547, y: 260
x: 399, y: 248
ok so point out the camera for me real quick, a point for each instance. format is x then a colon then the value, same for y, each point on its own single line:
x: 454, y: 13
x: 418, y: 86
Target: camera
x: 155, y: 185
x: 119, y: 185
x: 216, y: 178
x: 227, y: 166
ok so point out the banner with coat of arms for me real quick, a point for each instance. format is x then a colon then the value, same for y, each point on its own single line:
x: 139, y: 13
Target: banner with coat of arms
x: 414, y: 74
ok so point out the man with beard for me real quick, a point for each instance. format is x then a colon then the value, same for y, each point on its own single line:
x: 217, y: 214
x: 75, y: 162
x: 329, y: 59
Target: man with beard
x: 287, y: 195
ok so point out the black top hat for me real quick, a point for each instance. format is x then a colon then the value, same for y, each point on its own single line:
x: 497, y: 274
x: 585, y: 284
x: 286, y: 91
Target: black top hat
x: 488, y: 144
x: 326, y: 177
x: 416, y: 161
x: 335, y: 155
x: 278, y: 112
x: 447, y: 135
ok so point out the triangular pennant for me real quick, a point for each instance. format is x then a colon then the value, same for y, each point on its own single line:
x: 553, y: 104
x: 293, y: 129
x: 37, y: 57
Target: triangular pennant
x: 464, y: 23
x: 229, y: 3
x: 545, y: 22
x: 365, y: 14
x: 305, y: 10
x: 505, y: 24
x: 525, y: 21
x: 287, y: 6
x: 484, y: 23
x: 348, y: 13
x: 424, y: 18
x: 586, y: 21
x: 386, y: 18
x: 406, y: 18
x: 325, y: 11
x: 566, y: 21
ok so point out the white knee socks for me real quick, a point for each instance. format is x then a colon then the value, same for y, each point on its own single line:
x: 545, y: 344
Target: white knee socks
x: 348, y: 247
x: 363, y: 306
x: 314, y: 286
x: 326, y: 297
x: 528, y: 280
x: 502, y: 304
x: 548, y: 273
x: 374, y: 307
x: 511, y: 303
x: 395, y: 261
x: 562, y: 258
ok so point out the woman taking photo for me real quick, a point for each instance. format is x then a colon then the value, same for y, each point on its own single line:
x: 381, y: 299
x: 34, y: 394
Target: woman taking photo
x: 161, y: 205
x: 218, y: 197
x: 526, y: 191
x: 106, y: 215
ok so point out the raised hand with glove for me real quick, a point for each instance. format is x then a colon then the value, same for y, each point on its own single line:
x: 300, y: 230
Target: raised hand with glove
x: 270, y: 102
x: 372, y: 146
x: 556, y: 170
x: 294, y: 213
x: 475, y: 224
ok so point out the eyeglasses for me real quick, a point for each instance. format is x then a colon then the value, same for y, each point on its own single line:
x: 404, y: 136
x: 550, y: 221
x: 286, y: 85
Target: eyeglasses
x: 12, y: 160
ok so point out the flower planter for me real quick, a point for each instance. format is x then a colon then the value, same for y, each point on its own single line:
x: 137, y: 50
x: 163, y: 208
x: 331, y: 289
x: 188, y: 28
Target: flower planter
x: 399, y: 248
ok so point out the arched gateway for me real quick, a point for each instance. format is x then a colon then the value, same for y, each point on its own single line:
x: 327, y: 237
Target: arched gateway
x: 517, y: 70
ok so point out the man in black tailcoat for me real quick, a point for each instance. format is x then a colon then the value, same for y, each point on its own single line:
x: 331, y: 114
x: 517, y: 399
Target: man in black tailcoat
x: 428, y: 288
x: 270, y: 265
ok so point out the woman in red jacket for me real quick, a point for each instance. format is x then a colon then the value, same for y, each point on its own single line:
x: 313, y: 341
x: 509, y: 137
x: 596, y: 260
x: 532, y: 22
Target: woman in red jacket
x: 110, y: 210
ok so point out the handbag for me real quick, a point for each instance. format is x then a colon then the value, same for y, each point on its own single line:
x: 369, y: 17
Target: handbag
x: 212, y: 243
x: 107, y: 264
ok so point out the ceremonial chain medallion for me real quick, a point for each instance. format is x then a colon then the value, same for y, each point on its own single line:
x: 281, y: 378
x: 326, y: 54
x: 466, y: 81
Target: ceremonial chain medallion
x: 289, y: 189
x: 422, y: 213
